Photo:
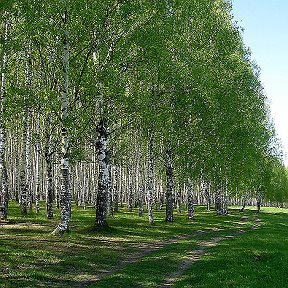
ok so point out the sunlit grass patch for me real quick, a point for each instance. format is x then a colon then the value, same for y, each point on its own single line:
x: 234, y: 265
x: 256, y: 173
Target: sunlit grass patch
x: 35, y: 258
x: 258, y: 258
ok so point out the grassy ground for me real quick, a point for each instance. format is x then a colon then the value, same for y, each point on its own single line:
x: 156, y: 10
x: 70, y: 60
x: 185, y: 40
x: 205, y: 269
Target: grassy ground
x: 257, y: 259
x: 31, y: 257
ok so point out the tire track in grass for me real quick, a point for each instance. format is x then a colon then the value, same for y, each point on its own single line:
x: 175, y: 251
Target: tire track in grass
x: 201, y: 250
x: 145, y: 249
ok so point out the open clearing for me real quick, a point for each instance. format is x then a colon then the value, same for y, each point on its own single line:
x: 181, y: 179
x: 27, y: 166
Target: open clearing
x: 239, y: 250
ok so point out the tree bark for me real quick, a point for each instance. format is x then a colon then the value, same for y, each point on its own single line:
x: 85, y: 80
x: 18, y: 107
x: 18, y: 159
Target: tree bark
x: 208, y: 197
x: 130, y: 186
x: 190, y: 201
x: 115, y: 189
x: 3, y: 169
x: 37, y: 170
x: 109, y: 188
x: 49, y: 177
x: 101, y: 200
x: 218, y: 201
x: 150, y: 182
x: 24, y: 184
x: 28, y: 157
x: 244, y: 200
x: 258, y: 201
x: 226, y: 200
x: 169, y: 185
x: 65, y: 194
x: 179, y: 200
x: 140, y: 181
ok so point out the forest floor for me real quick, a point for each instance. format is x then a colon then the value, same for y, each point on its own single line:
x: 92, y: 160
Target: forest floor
x: 238, y: 250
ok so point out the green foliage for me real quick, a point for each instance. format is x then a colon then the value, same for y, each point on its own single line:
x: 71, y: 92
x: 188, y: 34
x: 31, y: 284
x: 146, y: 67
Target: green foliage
x: 179, y: 70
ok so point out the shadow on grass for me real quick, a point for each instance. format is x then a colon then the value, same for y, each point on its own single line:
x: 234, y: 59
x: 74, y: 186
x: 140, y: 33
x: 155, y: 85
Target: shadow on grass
x: 34, y: 258
x: 257, y: 259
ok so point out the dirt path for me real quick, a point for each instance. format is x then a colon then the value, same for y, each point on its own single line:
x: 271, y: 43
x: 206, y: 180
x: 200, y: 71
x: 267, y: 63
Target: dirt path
x: 144, y: 249
x: 201, y: 250
x: 147, y: 248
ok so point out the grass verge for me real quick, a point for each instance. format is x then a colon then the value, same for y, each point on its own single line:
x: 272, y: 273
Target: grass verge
x: 31, y: 257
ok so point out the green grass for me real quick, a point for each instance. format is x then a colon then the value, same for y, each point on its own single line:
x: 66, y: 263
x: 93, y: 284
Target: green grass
x: 256, y: 259
x: 31, y: 257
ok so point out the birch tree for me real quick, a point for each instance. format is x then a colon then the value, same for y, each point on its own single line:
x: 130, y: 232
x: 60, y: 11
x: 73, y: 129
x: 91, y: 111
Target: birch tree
x: 65, y: 196
x: 3, y: 169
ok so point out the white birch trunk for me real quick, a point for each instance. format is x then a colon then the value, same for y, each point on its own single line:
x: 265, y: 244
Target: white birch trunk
x: 84, y: 186
x: 169, y: 185
x: 24, y: 185
x: 115, y: 189
x: 244, y: 200
x: 150, y: 182
x: 218, y: 200
x: 101, y: 200
x: 49, y: 177
x: 23, y: 178
x: 258, y: 200
x: 190, y: 201
x: 28, y: 157
x: 3, y: 170
x: 65, y: 197
x: 130, y: 186
x: 207, y: 196
x: 226, y: 200
x: 37, y: 170
x: 121, y: 184
x: 109, y: 188
x: 141, y: 182
x: 178, y: 200
x: 17, y: 167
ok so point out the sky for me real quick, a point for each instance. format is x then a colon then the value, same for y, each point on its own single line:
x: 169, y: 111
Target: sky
x: 265, y: 24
